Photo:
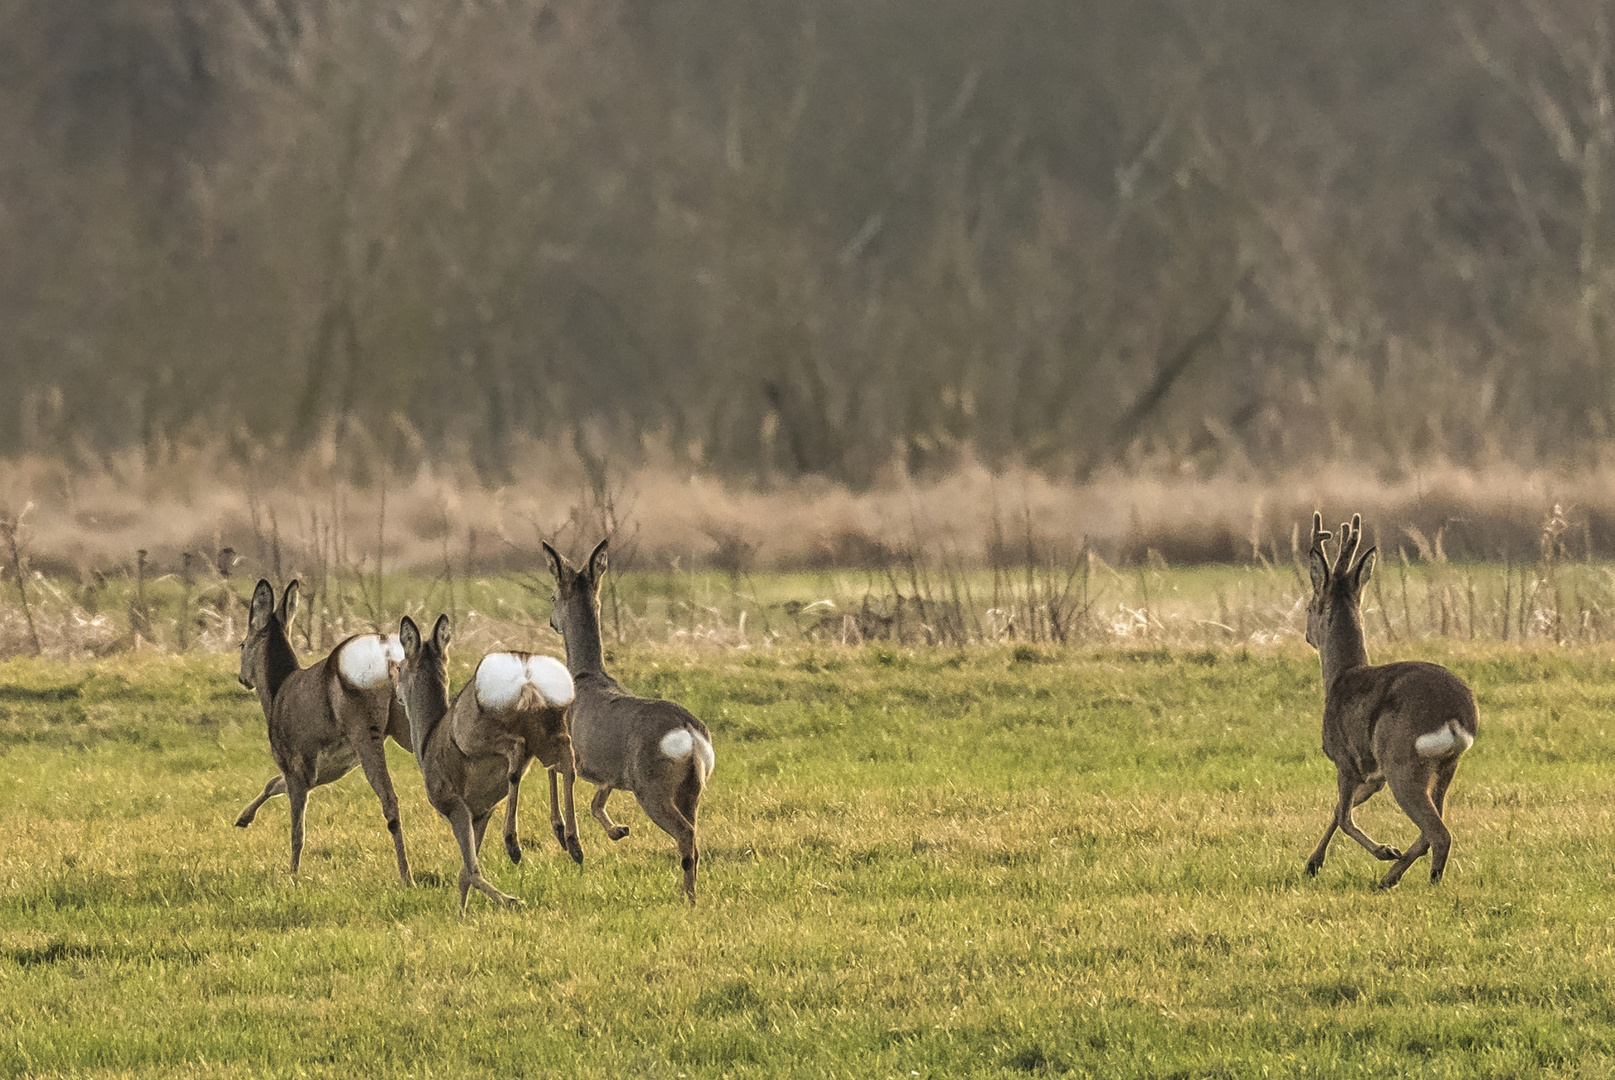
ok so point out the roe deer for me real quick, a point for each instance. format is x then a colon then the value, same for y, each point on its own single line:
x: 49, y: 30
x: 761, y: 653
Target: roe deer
x: 323, y: 719
x: 1405, y: 723
x: 473, y: 752
x: 655, y: 749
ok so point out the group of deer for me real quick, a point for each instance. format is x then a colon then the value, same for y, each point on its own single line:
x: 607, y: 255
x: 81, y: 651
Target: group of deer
x: 1404, y: 724
x: 473, y: 750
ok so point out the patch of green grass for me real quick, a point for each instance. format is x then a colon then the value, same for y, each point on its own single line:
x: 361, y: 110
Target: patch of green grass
x: 1007, y: 862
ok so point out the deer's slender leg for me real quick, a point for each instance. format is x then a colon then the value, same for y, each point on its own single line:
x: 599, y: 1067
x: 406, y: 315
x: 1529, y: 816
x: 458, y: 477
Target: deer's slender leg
x: 1361, y: 792
x: 555, y: 810
x: 516, y: 755
x: 662, y: 810
x: 1412, y: 788
x: 598, y: 807
x: 297, y: 793
x: 372, y: 751
x: 1315, y: 860
x: 1349, y: 786
x: 468, y: 834
x: 569, y: 839
x: 275, y: 787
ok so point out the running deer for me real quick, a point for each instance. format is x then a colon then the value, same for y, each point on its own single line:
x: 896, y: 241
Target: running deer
x: 474, y: 750
x: 655, y: 749
x: 1405, y: 724
x: 323, y: 719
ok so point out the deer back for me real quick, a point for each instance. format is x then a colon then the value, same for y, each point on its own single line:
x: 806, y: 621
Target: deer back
x: 617, y: 737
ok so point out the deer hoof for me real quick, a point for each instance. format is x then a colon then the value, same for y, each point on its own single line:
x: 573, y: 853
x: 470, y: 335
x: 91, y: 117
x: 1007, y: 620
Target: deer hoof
x: 1387, y: 854
x: 513, y: 848
x: 514, y: 902
x: 574, y: 849
x: 560, y: 834
x: 618, y: 832
x: 1313, y: 868
x: 243, y: 821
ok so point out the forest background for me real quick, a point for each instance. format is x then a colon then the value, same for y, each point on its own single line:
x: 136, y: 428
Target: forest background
x: 787, y: 283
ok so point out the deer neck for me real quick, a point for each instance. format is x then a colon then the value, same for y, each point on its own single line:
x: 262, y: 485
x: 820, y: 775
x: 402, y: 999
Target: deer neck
x: 274, y: 668
x: 426, y: 709
x: 585, y: 655
x: 1343, y: 645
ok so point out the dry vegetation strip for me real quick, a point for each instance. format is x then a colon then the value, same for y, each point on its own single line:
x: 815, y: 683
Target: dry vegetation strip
x: 989, y: 862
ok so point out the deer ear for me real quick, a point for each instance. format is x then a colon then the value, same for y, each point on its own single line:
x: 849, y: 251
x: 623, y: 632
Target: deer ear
x: 597, y: 559
x: 554, y: 559
x: 409, y: 636
x: 1320, y: 570
x: 440, y: 633
x: 1365, y: 566
x: 260, y: 607
x: 288, y: 604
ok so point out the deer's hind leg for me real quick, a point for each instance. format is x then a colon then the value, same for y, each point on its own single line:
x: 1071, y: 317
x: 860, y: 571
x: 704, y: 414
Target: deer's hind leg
x: 569, y: 838
x: 1421, y: 791
x: 276, y: 786
x: 372, y: 751
x: 664, y: 810
x: 516, y: 756
x: 564, y: 817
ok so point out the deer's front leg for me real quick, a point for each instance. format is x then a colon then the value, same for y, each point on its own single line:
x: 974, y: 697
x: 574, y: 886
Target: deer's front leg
x: 1315, y: 860
x: 1351, y: 787
x: 598, y: 806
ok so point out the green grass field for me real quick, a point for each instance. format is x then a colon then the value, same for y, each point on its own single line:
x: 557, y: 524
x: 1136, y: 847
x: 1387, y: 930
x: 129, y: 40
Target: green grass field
x: 994, y: 862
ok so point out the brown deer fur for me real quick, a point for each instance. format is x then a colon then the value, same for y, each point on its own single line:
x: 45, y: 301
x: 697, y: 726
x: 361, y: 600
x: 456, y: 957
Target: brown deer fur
x: 320, y: 722
x: 655, y: 749
x: 1403, y: 724
x: 471, y: 756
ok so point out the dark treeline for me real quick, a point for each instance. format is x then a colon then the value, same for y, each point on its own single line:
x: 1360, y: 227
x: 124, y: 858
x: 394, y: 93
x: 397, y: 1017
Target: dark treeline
x: 812, y: 238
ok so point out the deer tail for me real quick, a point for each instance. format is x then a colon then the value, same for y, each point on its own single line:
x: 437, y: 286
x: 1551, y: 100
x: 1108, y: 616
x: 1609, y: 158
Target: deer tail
x: 688, y: 744
x: 528, y: 698
x: 1449, y: 740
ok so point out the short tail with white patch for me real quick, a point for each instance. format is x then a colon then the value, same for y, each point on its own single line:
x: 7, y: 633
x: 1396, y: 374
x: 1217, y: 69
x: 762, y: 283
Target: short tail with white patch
x: 1449, y: 740
x: 688, y: 744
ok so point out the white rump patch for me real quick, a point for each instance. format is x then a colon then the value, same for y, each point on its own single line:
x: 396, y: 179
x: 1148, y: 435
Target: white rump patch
x: 680, y: 743
x: 363, y: 661
x: 501, y: 678
x: 1448, y: 740
x: 554, y: 682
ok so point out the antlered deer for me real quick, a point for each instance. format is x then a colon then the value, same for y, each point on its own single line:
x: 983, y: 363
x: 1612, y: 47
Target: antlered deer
x: 655, y: 749
x: 323, y: 719
x: 1403, y: 724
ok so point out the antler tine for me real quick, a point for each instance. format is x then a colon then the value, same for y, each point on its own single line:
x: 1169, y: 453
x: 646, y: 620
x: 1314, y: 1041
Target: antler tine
x: 1319, y: 533
x: 1351, y: 537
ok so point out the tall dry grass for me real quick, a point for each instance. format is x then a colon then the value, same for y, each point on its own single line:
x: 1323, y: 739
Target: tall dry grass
x: 142, y: 556
x: 365, y: 516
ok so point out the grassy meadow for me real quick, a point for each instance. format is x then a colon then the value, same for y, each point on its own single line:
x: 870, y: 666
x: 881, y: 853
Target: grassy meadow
x: 993, y: 861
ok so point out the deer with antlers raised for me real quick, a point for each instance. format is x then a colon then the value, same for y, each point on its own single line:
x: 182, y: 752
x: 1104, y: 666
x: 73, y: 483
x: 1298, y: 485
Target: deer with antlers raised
x: 1404, y: 724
